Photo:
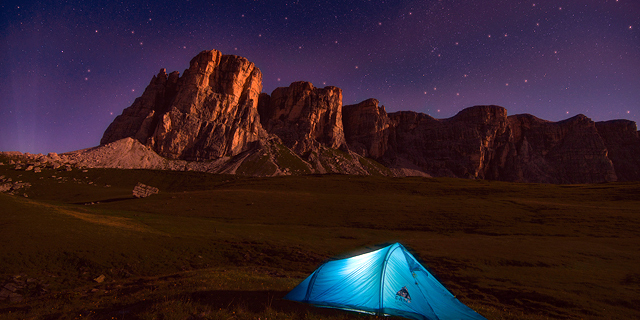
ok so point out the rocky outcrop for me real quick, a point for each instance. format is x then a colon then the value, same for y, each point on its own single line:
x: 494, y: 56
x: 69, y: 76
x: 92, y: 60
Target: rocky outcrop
x: 138, y: 121
x: 304, y: 117
x: 142, y: 190
x: 209, y: 112
x: 622, y: 141
x: 482, y: 142
x: 367, y: 128
x: 216, y: 112
x: 462, y: 146
x: 569, y: 151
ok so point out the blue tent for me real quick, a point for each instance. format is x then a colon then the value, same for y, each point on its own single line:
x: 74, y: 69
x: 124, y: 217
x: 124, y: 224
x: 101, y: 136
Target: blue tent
x: 388, y: 281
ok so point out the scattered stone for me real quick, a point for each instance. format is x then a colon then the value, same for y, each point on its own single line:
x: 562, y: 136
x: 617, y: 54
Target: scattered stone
x: 18, y: 167
x: 100, y: 279
x: 68, y: 168
x: 53, y: 156
x: 85, y: 170
x: 142, y: 190
x: 37, y: 170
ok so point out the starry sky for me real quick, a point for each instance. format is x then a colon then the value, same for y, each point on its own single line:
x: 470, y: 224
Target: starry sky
x: 68, y: 68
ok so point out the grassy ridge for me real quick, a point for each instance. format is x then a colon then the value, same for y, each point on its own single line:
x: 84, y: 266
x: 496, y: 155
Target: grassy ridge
x: 200, y: 247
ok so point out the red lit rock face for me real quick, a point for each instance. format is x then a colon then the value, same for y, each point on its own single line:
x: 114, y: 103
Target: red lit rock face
x: 304, y: 117
x: 216, y: 111
x: 209, y: 112
x: 367, y: 128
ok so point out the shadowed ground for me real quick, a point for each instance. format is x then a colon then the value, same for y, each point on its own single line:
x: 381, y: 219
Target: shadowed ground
x: 219, y: 247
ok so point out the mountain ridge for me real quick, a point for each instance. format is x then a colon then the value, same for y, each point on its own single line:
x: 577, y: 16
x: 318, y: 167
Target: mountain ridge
x: 216, y: 112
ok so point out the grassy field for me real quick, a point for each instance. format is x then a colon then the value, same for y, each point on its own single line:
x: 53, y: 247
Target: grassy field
x: 230, y: 247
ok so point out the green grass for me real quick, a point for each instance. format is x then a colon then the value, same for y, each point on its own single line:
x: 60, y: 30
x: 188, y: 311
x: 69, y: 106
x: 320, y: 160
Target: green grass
x: 219, y: 246
x: 287, y: 159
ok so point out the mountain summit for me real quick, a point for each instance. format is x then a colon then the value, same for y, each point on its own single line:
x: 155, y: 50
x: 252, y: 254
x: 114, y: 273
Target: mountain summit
x: 215, y: 118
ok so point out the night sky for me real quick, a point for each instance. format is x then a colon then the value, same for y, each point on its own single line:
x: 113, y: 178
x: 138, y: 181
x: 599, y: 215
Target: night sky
x: 68, y: 68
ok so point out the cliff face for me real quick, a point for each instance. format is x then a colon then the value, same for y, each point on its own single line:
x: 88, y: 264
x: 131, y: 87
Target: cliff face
x: 215, y: 111
x: 622, y: 141
x: 569, y: 151
x: 367, y: 128
x: 461, y: 146
x: 304, y: 117
x: 209, y: 112
x: 137, y: 120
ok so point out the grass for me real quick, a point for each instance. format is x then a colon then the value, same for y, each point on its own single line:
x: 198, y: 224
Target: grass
x: 230, y: 247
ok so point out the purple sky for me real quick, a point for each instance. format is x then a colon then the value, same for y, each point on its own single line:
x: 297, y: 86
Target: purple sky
x: 68, y: 68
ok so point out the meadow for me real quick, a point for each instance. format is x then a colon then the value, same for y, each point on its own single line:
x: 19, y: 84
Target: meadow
x: 214, y: 246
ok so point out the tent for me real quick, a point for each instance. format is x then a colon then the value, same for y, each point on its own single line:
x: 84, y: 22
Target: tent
x: 388, y: 281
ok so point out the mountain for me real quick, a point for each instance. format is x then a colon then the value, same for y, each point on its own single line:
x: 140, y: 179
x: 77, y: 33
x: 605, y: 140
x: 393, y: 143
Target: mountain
x: 215, y: 118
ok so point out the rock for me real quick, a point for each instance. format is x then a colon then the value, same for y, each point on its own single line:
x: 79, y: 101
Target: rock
x: 12, y: 287
x: 37, y: 170
x: 136, y: 120
x: 622, y: 141
x: 213, y: 118
x: 569, y: 151
x: 304, y: 116
x: 209, y: 112
x: 100, y: 279
x: 53, y: 156
x: 142, y: 191
x: 367, y: 128
x: 460, y: 146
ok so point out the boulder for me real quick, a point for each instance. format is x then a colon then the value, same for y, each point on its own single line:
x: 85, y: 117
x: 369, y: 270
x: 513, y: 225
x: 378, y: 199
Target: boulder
x: 142, y: 190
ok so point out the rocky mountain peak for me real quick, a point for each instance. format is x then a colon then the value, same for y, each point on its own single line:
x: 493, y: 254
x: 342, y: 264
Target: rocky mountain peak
x: 216, y: 112
x: 209, y: 112
x: 304, y: 116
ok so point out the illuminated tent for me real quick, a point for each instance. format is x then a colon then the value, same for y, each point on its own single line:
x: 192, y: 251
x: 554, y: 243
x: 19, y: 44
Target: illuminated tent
x: 388, y: 281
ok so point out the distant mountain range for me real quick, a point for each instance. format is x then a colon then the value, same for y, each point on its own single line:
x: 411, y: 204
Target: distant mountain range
x: 215, y: 118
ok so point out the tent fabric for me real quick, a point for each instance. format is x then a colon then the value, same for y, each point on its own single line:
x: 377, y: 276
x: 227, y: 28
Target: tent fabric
x: 389, y: 281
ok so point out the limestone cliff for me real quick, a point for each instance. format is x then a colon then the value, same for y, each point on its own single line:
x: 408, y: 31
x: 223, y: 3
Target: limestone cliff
x: 461, y: 146
x: 215, y: 118
x: 367, y: 128
x: 569, y: 151
x: 304, y: 117
x: 622, y: 141
x: 209, y: 112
